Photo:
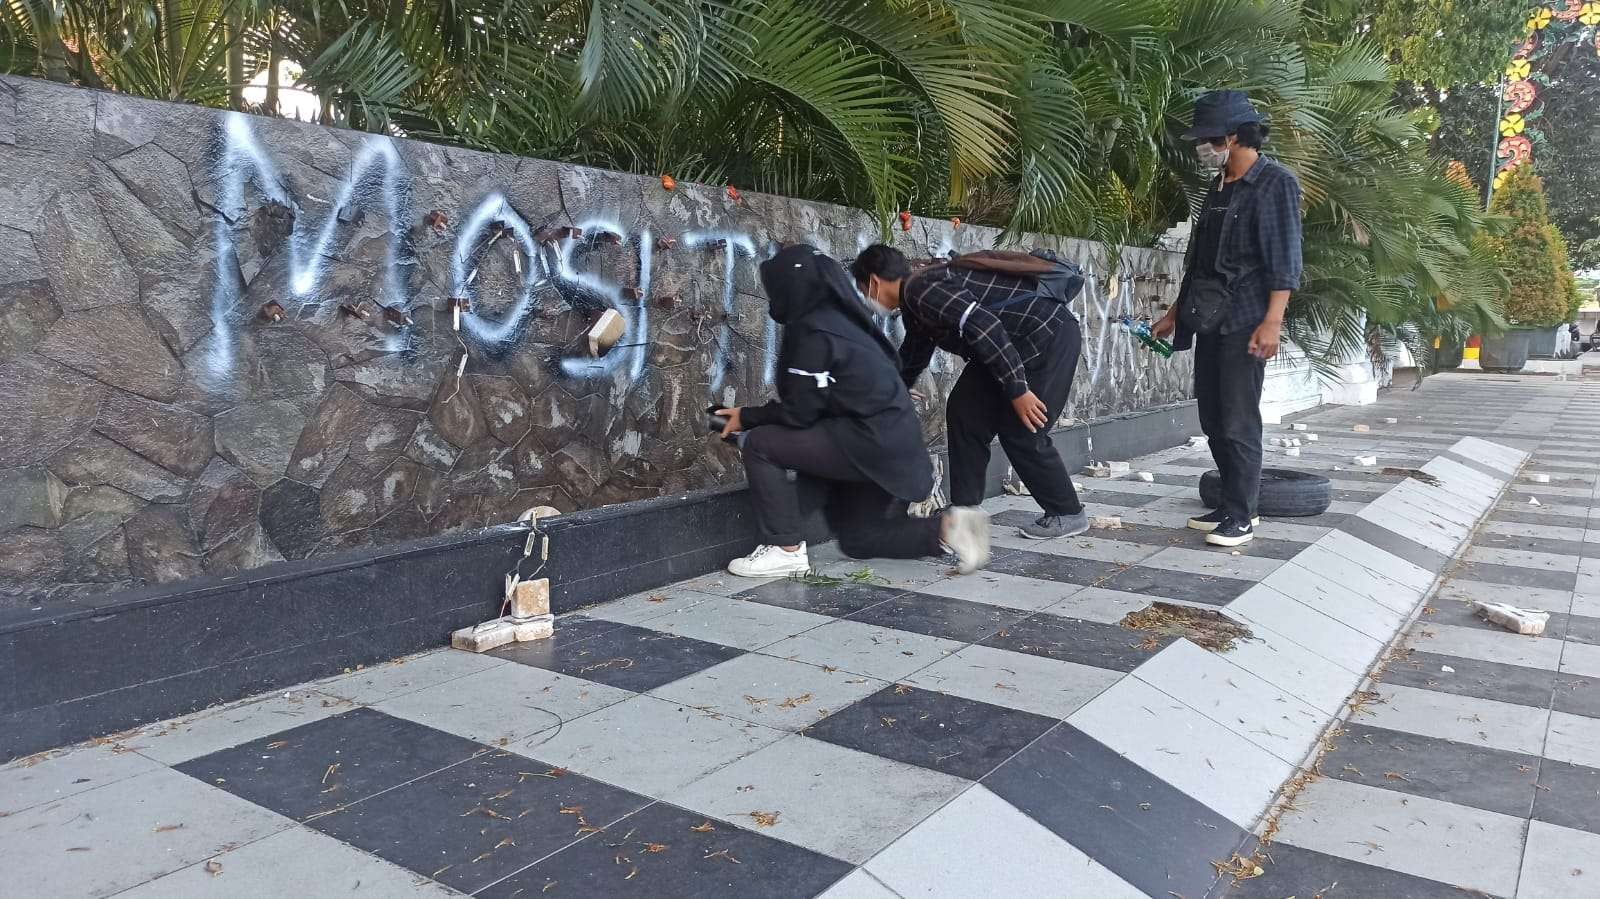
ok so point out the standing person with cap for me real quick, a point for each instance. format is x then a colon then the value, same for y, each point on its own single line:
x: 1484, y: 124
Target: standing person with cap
x: 842, y: 435
x: 1244, y: 260
x: 1021, y: 347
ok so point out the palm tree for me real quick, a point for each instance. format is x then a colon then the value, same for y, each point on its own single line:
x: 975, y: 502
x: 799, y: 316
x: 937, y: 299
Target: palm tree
x: 1034, y: 115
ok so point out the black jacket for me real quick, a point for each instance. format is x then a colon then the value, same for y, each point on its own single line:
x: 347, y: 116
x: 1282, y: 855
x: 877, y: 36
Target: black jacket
x: 837, y: 371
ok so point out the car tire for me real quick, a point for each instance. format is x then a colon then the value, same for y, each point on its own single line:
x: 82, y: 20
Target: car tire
x: 1285, y: 493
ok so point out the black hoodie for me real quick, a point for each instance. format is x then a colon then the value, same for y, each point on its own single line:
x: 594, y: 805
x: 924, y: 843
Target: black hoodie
x: 837, y: 371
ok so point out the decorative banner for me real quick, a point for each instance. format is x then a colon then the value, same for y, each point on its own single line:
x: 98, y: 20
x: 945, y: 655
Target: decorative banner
x: 1569, y: 21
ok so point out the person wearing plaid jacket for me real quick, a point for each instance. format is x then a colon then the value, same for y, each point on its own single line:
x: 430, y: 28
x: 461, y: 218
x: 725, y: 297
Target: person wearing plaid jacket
x: 1022, y: 350
x: 1246, y: 244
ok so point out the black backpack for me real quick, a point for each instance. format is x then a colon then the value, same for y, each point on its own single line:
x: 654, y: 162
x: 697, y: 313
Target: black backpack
x: 1056, y: 278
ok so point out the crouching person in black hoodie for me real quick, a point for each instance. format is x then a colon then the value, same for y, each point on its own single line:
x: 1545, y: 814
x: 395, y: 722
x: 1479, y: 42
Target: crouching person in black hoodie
x: 843, y: 423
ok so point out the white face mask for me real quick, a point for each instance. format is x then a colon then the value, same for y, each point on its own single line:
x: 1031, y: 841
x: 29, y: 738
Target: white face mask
x: 877, y: 307
x: 1211, y: 157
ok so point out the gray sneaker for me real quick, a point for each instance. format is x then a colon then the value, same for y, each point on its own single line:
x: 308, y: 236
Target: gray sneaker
x: 1049, y: 527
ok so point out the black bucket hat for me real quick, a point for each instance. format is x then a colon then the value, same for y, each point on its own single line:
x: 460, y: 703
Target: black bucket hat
x: 1219, y: 114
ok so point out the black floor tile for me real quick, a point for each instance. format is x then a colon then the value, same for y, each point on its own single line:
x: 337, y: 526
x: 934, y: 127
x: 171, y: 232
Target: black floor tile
x: 1534, y: 544
x: 1292, y: 871
x: 658, y: 854
x: 318, y: 767
x: 1475, y: 465
x: 1397, y: 544
x: 1355, y: 496
x: 1049, y: 567
x: 627, y: 657
x: 1212, y: 589
x: 939, y: 616
x: 1489, y: 779
x: 1148, y: 833
x: 1470, y: 677
x: 833, y: 600
x: 1561, y: 626
x: 1521, y: 517
x: 1577, y: 695
x: 1579, y: 628
x: 1084, y: 642
x: 1517, y: 576
x: 960, y: 737
x: 477, y: 822
x: 1568, y: 795
x: 1263, y: 546
x: 1325, y: 520
x: 1116, y: 497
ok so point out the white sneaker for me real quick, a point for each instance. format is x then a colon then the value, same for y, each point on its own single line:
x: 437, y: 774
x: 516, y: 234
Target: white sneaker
x: 771, y: 561
x: 967, y: 535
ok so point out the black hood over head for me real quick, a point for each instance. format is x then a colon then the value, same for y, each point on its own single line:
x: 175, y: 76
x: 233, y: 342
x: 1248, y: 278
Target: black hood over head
x: 802, y: 279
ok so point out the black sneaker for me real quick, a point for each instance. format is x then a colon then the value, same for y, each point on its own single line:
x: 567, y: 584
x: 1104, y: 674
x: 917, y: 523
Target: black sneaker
x: 1231, y: 533
x: 1049, y: 527
x: 1210, y: 520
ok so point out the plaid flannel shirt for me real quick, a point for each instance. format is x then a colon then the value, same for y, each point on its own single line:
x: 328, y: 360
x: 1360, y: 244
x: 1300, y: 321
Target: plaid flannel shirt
x: 1259, y: 249
x: 945, y: 307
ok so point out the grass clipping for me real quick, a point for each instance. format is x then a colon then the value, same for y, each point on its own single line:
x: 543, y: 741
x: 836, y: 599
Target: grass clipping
x: 1206, y: 628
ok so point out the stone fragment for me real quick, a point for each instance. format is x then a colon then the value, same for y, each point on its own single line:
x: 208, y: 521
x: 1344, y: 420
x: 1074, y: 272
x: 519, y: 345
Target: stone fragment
x: 1105, y: 522
x: 161, y: 182
x: 484, y: 637
x: 606, y: 332
x: 222, y: 504
x: 1366, y: 461
x: 1292, y: 451
x: 247, y: 549
x: 455, y: 413
x: 291, y: 516
x: 1311, y: 438
x: 26, y: 314
x: 93, y: 460
x: 431, y: 450
x: 259, y: 438
x: 31, y: 496
x: 114, y: 345
x: 531, y: 598
x: 1391, y: 421
x: 539, y: 627
x: 1361, y: 429
x: 160, y: 548
x: 8, y: 114
x: 174, y: 438
x: 1147, y: 477
x: 1539, y: 478
x: 81, y: 257
x: 1300, y: 426
x: 43, y: 408
x: 31, y: 557
x: 506, y: 409
x: 100, y: 500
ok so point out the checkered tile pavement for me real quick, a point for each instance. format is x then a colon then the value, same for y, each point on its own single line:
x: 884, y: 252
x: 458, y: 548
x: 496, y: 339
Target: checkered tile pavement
x: 1472, y: 765
x: 908, y: 733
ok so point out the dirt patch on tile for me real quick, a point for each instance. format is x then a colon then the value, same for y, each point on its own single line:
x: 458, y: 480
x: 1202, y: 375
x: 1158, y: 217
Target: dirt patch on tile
x: 1206, y: 628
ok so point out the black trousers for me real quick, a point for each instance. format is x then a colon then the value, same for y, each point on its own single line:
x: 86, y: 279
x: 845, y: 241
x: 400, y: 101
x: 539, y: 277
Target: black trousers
x: 979, y: 410
x: 868, y: 522
x: 1227, y: 387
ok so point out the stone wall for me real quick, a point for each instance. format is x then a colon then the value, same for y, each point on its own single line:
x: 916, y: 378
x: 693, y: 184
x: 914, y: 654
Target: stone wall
x: 228, y: 340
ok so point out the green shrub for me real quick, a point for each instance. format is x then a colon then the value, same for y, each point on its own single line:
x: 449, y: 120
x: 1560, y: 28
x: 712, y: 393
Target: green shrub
x: 1531, y: 253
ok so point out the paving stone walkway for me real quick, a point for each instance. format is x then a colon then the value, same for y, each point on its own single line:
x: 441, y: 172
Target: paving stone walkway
x: 1472, y: 765
x: 890, y: 730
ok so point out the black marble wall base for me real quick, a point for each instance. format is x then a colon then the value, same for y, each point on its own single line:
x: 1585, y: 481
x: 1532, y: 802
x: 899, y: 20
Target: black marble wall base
x: 69, y: 672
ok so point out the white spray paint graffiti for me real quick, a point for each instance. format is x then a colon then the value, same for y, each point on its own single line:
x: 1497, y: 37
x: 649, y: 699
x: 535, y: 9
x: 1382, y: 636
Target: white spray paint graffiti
x: 242, y: 161
x: 463, y: 268
x: 733, y: 245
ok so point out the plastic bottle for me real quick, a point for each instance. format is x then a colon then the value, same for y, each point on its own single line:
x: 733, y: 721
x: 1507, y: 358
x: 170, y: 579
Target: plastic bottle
x: 1141, y: 332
